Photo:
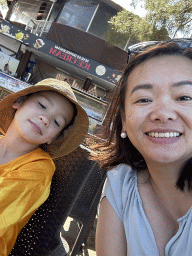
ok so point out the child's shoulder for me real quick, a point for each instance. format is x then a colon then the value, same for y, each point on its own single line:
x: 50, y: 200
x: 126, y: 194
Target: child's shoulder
x: 35, y: 158
x: 37, y: 155
x: 35, y: 163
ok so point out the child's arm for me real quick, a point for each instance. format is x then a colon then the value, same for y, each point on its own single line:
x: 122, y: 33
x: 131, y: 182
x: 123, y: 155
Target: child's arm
x: 22, y: 191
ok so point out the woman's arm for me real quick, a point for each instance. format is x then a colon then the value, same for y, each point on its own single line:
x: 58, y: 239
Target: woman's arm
x: 110, y: 234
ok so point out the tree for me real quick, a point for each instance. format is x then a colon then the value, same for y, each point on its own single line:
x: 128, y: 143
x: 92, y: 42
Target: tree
x: 126, y: 28
x: 164, y: 19
x: 173, y: 15
x: 3, y: 3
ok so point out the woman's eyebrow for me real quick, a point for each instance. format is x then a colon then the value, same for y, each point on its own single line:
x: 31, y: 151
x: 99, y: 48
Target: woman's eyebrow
x: 149, y: 86
x: 142, y: 86
x: 185, y: 82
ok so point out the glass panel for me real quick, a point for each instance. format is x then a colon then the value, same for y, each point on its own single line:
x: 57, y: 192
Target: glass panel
x: 77, y: 13
x: 25, y: 10
x: 95, y: 109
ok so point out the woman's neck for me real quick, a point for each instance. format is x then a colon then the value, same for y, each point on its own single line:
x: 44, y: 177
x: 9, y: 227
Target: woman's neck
x: 164, y: 174
x: 162, y: 179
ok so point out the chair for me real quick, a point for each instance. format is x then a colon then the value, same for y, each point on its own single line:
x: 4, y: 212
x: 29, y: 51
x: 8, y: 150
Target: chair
x: 42, y: 234
x: 85, y: 207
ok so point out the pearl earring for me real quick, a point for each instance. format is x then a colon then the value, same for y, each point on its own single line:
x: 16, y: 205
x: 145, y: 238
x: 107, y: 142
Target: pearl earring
x: 123, y: 135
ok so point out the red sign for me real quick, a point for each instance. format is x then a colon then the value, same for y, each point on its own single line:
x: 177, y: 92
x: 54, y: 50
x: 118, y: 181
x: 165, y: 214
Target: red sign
x: 69, y: 58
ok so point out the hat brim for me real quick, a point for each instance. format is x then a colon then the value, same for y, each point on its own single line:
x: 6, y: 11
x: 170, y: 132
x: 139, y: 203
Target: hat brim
x: 75, y: 136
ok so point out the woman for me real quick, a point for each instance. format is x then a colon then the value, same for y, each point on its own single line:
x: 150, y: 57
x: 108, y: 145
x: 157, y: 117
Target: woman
x: 146, y: 203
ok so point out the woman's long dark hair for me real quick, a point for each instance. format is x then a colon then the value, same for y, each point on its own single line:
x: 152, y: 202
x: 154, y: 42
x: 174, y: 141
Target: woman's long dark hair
x: 116, y: 150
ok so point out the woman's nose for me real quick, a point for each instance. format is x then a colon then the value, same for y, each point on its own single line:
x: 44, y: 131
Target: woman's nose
x: 44, y: 120
x: 163, y: 113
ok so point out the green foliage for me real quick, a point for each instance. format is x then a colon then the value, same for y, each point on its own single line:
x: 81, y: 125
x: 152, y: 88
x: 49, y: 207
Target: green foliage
x: 164, y: 19
x: 3, y: 3
x: 173, y: 15
x: 126, y: 27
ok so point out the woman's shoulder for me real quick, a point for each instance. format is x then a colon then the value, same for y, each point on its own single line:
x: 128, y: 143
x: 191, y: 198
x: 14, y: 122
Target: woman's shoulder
x: 121, y: 172
x: 119, y: 187
x: 121, y: 178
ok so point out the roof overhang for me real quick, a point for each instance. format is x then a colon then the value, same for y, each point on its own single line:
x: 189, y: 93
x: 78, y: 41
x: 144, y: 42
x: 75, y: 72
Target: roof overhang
x: 74, y: 71
x: 48, y: 51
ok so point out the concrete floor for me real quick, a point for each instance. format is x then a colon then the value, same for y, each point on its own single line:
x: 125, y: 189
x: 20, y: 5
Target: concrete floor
x: 91, y: 253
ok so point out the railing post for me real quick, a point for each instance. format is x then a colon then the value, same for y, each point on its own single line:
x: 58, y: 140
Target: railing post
x: 26, y: 27
x: 53, y: 2
x: 36, y: 28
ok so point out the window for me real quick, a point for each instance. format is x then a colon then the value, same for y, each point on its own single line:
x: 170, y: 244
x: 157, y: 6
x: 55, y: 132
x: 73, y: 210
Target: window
x: 78, y: 13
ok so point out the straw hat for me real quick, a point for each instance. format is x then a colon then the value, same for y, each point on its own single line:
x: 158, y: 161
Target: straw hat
x: 77, y: 131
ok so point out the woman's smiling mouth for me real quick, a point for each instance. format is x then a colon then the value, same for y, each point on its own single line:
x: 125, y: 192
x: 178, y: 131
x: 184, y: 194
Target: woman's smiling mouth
x: 166, y: 137
x: 164, y: 134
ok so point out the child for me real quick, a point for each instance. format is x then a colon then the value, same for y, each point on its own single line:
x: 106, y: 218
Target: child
x: 47, y: 123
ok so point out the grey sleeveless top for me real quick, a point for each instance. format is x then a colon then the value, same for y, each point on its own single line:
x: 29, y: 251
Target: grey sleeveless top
x: 122, y: 192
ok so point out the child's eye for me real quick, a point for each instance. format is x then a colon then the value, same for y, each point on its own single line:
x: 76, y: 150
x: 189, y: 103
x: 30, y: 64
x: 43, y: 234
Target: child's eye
x: 184, y: 98
x: 57, y: 123
x: 41, y: 105
x: 144, y: 100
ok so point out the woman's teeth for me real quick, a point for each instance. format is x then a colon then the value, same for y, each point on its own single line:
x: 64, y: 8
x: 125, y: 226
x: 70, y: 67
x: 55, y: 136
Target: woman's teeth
x: 163, y: 134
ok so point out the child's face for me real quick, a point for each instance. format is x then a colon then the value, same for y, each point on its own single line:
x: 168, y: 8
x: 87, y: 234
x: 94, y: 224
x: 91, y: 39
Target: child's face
x: 42, y: 116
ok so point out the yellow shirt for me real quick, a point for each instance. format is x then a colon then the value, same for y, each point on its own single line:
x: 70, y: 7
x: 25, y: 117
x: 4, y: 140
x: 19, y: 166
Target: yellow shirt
x: 24, y: 186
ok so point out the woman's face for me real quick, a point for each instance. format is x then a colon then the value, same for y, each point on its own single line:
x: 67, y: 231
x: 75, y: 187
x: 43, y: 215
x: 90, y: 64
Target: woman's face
x: 158, y: 109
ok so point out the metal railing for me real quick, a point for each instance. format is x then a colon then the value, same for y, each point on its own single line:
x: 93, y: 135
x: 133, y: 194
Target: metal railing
x: 38, y: 27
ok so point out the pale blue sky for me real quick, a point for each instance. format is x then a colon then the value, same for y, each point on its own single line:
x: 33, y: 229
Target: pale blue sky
x: 126, y: 4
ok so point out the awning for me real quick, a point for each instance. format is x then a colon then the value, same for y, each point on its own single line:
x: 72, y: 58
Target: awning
x: 58, y: 54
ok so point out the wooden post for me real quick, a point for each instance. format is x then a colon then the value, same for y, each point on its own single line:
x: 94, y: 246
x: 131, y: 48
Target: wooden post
x: 23, y: 64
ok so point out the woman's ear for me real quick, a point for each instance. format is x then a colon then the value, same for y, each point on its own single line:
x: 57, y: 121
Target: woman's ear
x: 123, y: 120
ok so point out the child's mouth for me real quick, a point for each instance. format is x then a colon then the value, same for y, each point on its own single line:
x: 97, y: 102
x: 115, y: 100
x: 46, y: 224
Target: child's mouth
x: 35, y: 127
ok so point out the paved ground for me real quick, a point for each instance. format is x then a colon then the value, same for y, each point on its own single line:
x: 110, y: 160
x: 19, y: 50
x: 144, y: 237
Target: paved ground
x: 70, y: 231
x: 91, y: 253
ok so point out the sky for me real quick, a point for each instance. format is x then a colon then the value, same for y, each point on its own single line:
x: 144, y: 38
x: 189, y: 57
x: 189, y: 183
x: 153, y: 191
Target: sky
x: 126, y: 4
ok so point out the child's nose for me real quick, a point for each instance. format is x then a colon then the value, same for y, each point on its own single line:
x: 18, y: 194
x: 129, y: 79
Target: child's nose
x: 44, y: 120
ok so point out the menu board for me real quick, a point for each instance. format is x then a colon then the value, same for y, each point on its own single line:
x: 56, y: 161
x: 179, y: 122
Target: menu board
x: 11, y: 83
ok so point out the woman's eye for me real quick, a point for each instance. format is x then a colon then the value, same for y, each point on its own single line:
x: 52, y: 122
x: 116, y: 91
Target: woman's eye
x: 184, y: 98
x: 143, y: 101
x: 41, y: 105
x: 57, y: 123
